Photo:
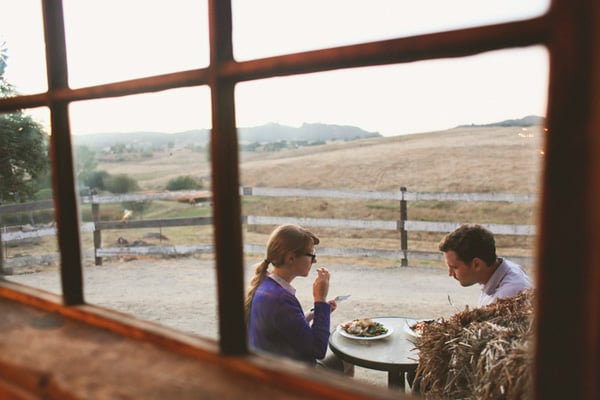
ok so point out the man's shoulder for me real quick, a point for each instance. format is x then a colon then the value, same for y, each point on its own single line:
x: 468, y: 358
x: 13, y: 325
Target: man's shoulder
x: 511, y: 267
x: 515, y: 276
x: 511, y: 262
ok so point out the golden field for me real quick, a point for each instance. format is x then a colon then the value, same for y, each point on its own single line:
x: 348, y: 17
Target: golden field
x: 482, y: 159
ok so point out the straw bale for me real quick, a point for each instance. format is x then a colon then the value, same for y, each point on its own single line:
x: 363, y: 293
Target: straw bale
x: 482, y: 353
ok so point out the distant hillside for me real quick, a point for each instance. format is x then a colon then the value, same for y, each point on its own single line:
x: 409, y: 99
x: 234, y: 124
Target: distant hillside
x: 139, y: 139
x: 530, y: 120
x: 262, y: 134
x: 454, y: 160
x: 309, y: 132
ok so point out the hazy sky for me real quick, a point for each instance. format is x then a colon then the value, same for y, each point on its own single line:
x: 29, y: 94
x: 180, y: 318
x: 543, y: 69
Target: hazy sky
x: 112, y: 40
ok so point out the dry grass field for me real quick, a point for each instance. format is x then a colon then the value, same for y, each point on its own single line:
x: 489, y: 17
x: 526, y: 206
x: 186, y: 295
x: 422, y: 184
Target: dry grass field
x: 490, y: 159
x: 505, y: 160
x: 478, y: 159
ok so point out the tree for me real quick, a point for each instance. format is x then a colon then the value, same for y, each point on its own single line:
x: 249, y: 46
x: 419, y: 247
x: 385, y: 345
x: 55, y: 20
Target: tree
x: 85, y: 169
x: 95, y: 180
x: 85, y: 163
x: 23, y: 147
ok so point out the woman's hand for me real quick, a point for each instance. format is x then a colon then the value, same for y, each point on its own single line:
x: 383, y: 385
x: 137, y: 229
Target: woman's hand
x: 321, y: 285
x: 333, y: 305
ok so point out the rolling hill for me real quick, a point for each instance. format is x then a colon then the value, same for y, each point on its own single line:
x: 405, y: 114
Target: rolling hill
x: 473, y: 159
x: 261, y: 134
x: 485, y: 159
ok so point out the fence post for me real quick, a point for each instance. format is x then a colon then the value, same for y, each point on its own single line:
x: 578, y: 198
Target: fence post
x: 247, y: 191
x: 97, y: 232
x: 403, y: 233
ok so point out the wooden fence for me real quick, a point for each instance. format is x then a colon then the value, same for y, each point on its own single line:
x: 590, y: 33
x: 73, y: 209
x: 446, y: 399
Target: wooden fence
x: 402, y: 225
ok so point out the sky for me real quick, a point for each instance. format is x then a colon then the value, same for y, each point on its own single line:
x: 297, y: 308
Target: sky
x: 113, y: 40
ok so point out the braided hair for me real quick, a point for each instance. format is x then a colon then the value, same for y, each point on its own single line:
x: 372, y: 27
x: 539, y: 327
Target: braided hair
x: 283, y: 239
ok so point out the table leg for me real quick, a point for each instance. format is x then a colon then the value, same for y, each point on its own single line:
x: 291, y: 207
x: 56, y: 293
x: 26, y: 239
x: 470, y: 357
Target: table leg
x: 410, y: 377
x: 396, y: 378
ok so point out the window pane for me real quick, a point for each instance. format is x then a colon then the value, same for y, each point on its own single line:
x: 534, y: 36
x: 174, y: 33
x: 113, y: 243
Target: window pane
x: 22, y: 40
x: 266, y: 28
x: 29, y: 238
x: 170, y: 111
x: 118, y: 40
x: 154, y: 147
x: 408, y: 98
x: 421, y: 126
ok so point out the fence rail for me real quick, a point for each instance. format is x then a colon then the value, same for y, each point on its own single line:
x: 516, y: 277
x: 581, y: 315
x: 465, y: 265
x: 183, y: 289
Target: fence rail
x: 402, y: 225
x: 398, y: 195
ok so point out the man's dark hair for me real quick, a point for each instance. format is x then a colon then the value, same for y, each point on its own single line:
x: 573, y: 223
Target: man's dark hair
x: 469, y: 242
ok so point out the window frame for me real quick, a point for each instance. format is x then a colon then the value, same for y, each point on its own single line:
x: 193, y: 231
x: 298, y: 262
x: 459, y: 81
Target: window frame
x: 573, y: 118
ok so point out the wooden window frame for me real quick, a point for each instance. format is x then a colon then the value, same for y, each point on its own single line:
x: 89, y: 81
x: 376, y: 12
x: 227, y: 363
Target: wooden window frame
x: 567, y: 345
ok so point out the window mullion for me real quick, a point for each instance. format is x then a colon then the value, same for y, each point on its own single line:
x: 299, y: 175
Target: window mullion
x: 63, y: 180
x: 225, y: 180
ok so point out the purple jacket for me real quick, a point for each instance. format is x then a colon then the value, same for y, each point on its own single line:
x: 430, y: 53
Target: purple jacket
x: 277, y: 324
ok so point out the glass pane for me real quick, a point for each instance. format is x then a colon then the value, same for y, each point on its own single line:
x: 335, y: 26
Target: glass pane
x: 402, y: 99
x: 22, y: 42
x: 28, y: 237
x: 115, y: 40
x: 435, y: 127
x: 170, y: 111
x: 142, y: 170
x: 266, y: 28
x: 142, y: 166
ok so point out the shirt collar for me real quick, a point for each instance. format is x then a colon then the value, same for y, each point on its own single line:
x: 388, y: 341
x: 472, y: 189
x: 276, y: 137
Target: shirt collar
x: 283, y: 283
x: 492, y: 284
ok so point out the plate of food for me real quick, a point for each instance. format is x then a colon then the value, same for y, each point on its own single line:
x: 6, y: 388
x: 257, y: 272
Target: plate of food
x: 414, y: 328
x: 364, y: 329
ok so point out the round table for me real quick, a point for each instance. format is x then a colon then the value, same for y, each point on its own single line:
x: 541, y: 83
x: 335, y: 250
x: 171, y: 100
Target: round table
x: 395, y: 354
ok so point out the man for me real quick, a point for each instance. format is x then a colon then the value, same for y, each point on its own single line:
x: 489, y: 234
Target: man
x: 470, y: 253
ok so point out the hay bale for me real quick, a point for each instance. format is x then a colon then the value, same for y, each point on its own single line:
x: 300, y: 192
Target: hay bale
x: 484, y: 353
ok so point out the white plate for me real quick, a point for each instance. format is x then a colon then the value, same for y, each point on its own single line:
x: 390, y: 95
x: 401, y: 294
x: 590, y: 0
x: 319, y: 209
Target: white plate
x: 351, y: 336
x: 411, y: 332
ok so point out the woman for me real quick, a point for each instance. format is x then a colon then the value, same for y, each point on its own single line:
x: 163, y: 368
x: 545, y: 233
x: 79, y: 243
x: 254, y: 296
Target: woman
x: 276, y: 321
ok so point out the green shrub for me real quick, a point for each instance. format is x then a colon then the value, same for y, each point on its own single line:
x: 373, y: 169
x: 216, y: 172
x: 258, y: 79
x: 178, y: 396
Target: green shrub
x: 184, y: 183
x: 121, y: 183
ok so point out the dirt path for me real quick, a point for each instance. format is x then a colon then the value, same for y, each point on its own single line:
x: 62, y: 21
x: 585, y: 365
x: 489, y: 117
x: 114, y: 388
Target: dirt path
x: 181, y: 293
